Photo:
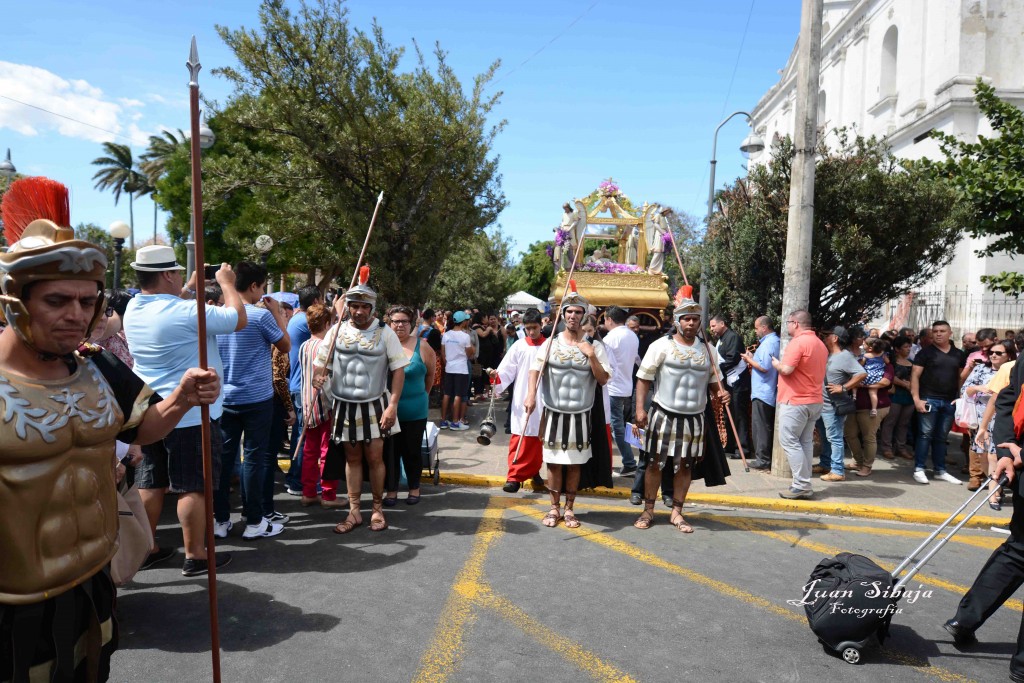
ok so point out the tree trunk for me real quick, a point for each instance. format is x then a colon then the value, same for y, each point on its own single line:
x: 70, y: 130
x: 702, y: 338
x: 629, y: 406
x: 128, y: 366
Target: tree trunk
x: 154, y: 218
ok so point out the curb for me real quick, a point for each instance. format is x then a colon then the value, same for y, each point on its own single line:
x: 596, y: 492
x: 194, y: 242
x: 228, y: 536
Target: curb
x: 759, y: 503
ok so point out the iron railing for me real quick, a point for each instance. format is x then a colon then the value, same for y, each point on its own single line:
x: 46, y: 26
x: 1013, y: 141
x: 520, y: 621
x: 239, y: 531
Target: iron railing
x: 965, y: 311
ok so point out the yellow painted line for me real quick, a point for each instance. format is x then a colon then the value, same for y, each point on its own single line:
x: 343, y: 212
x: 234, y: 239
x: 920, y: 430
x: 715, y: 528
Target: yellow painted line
x: 927, y: 579
x: 984, y: 542
x: 481, y: 594
x: 776, y: 504
x: 447, y: 647
x: 607, y: 541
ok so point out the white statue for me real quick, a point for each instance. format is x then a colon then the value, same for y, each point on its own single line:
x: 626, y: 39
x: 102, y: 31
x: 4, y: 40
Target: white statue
x: 631, y: 245
x: 657, y: 228
x: 573, y: 225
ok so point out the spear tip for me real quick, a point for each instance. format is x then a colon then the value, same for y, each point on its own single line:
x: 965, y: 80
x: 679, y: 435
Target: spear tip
x: 193, y: 64
x: 380, y: 197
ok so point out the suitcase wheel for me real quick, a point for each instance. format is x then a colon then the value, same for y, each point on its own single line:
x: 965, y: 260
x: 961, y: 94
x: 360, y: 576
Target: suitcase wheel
x: 851, y: 655
x: 437, y: 476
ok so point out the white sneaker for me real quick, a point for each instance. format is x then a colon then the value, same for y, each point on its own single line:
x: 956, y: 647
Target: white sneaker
x: 222, y: 529
x: 264, y: 529
x: 920, y: 477
x: 946, y: 476
x: 459, y: 427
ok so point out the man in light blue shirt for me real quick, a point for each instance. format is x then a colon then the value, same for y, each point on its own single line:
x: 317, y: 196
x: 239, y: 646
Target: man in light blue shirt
x: 764, y: 383
x: 161, y: 326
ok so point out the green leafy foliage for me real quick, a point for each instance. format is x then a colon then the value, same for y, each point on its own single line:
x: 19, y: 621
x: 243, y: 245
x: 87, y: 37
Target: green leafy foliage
x: 535, y: 271
x: 477, y: 274
x: 881, y: 227
x: 321, y: 119
x: 989, y: 176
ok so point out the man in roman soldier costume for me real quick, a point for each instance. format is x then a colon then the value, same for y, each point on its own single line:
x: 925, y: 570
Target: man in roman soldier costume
x: 678, y: 428
x: 573, y: 368
x: 364, y: 412
x: 61, y: 410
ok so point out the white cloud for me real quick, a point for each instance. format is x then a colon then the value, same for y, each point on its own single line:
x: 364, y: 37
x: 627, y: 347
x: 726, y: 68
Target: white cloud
x: 76, y: 99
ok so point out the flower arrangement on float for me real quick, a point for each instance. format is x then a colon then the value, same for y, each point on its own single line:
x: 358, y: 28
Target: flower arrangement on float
x: 611, y: 268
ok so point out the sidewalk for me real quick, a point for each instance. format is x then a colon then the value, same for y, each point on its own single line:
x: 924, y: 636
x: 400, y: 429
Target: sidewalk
x: 890, y: 493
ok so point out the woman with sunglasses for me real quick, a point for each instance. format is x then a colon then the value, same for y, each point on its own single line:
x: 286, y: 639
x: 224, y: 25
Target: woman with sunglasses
x: 412, y: 408
x: 109, y: 331
x: 999, y: 355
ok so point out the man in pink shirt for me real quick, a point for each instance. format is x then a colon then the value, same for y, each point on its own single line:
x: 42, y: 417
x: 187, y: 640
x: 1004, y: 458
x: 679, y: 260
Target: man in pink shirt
x: 801, y: 376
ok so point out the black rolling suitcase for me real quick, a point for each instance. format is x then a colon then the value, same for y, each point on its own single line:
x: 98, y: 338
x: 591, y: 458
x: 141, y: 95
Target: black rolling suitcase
x: 850, y: 600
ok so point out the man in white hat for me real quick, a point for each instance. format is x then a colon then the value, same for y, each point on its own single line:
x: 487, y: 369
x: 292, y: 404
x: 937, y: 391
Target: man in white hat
x: 161, y: 327
x: 572, y: 369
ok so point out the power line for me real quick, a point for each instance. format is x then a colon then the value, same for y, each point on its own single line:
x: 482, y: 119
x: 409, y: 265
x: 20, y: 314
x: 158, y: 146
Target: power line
x: 64, y: 116
x: 545, y: 45
x: 728, y: 93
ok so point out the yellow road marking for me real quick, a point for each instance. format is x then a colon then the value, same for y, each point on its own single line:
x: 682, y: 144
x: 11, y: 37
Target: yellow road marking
x: 447, y: 646
x: 927, y: 579
x: 604, y: 539
x: 983, y: 542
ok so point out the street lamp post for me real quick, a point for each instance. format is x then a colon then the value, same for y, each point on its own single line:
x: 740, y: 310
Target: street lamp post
x: 119, y: 230
x: 264, y: 243
x: 751, y: 146
x: 206, y: 140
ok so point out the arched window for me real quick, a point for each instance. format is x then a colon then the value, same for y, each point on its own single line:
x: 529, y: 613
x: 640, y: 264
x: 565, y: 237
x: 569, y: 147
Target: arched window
x: 822, y: 108
x: 887, y: 75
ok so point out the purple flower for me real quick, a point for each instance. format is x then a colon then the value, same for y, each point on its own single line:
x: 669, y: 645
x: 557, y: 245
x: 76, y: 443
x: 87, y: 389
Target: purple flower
x: 667, y: 236
x: 561, y: 237
x: 550, y: 251
x: 613, y: 268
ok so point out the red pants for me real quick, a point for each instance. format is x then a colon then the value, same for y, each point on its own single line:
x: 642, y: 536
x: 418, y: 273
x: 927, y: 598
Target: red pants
x: 314, y: 448
x: 531, y: 457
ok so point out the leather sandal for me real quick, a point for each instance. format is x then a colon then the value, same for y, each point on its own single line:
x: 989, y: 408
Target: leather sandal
x: 379, y: 523
x: 680, y: 524
x: 348, y: 525
x: 554, y: 515
x: 646, y: 518
x: 569, y: 516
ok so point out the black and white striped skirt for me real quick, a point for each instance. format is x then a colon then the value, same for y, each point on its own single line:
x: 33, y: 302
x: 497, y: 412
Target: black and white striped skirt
x: 676, y: 436
x: 358, y: 422
x: 566, y: 437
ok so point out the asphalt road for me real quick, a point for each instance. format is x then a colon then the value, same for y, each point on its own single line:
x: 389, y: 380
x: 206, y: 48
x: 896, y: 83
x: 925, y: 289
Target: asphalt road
x: 468, y: 586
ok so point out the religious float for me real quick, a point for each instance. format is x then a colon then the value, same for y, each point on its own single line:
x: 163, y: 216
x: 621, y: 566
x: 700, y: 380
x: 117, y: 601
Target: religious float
x: 622, y: 259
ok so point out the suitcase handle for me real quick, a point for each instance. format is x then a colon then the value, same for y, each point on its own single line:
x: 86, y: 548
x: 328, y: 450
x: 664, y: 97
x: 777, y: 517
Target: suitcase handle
x: 983, y: 489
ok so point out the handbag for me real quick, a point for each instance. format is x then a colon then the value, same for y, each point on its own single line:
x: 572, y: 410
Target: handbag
x: 134, y: 537
x: 842, y: 403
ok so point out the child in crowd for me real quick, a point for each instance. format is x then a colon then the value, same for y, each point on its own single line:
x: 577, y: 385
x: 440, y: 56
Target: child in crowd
x: 874, y: 364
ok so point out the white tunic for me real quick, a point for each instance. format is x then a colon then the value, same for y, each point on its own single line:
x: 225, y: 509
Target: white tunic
x: 515, y: 367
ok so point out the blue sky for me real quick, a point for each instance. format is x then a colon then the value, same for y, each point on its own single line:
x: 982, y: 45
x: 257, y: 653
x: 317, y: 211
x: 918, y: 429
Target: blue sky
x: 631, y: 90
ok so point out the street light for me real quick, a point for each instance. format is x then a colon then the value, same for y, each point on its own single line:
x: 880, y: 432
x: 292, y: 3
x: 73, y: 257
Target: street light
x: 7, y: 169
x: 751, y: 146
x: 264, y: 244
x: 119, y: 230
x: 206, y: 140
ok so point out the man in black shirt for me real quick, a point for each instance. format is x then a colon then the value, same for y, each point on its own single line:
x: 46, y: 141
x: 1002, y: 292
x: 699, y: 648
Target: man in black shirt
x: 737, y: 383
x: 934, y: 384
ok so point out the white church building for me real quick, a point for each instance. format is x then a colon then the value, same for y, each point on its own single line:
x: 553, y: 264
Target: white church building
x: 901, y: 68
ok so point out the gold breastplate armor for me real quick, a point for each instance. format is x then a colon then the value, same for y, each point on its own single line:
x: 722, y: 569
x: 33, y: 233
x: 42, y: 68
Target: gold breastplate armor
x: 57, y: 490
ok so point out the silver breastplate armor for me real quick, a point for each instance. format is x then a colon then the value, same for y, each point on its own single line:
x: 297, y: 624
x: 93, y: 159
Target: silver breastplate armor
x: 682, y: 380
x: 359, y: 370
x: 569, y: 384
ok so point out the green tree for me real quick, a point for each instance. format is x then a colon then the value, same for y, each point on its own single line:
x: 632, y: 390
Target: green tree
x: 477, y: 274
x: 989, y: 176
x: 90, y: 232
x: 881, y: 227
x: 118, y: 174
x: 535, y: 272
x: 321, y: 119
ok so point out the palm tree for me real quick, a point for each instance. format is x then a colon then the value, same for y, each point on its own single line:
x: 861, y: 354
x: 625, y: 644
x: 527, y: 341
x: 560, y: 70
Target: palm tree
x: 154, y: 163
x: 118, y: 174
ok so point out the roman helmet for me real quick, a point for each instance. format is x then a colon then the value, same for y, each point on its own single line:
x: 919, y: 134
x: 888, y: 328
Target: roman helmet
x: 362, y: 293
x: 685, y: 305
x: 574, y: 298
x: 42, y: 247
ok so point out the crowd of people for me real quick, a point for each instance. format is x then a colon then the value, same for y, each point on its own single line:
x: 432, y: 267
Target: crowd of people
x: 347, y: 391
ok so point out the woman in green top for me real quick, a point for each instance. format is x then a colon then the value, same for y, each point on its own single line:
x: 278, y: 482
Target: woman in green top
x: 412, y: 408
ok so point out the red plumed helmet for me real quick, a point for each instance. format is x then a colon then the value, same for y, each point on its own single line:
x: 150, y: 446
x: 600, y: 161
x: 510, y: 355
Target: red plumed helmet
x: 29, y: 199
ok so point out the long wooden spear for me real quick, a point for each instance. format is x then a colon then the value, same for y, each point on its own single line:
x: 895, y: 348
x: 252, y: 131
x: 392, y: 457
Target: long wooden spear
x: 197, y: 215
x: 707, y: 349
x: 307, y: 410
x: 554, y: 331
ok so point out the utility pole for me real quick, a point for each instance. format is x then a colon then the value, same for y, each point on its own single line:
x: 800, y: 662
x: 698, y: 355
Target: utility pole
x: 799, y: 236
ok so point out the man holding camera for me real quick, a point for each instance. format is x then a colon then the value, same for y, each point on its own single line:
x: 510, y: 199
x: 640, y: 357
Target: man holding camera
x: 934, y: 385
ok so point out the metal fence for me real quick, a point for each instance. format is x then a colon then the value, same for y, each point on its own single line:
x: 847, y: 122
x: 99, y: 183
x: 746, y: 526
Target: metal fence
x: 965, y: 311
